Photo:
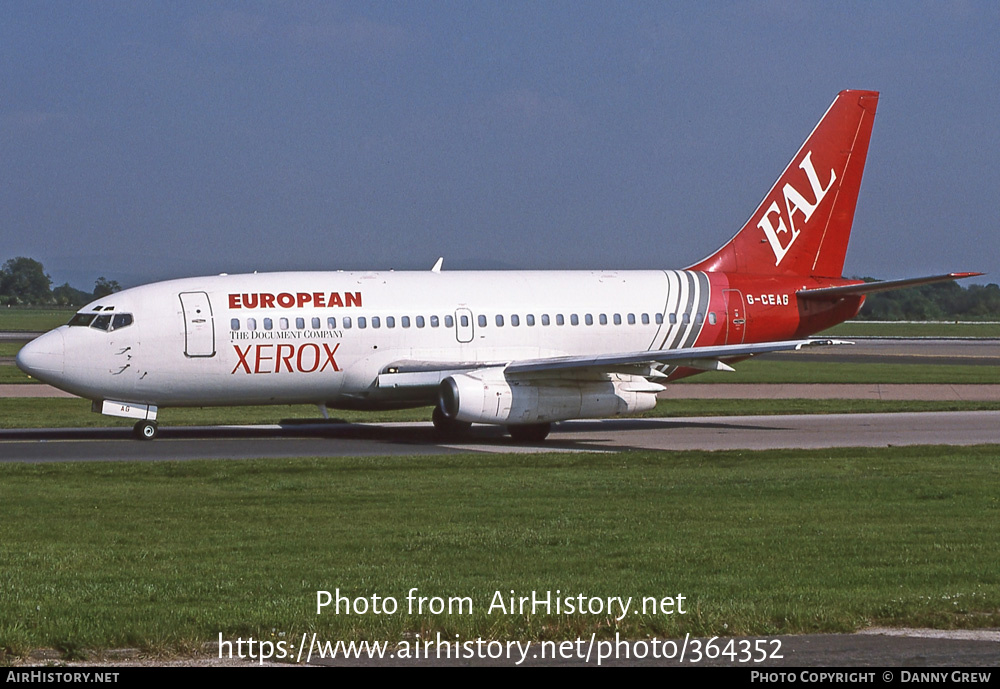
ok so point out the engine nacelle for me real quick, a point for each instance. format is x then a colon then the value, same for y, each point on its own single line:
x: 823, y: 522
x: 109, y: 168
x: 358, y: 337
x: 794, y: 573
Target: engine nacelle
x: 486, y: 396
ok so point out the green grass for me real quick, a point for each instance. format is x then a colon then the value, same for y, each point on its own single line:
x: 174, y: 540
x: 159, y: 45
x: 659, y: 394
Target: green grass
x: 889, y: 329
x: 35, y: 320
x: 165, y: 554
x: 75, y: 413
x: 769, y: 371
x: 14, y: 375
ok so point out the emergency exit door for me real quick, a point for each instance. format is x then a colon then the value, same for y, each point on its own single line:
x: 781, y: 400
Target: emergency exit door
x: 464, y: 328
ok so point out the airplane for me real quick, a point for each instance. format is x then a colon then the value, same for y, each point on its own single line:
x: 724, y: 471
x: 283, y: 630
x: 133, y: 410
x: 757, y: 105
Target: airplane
x: 522, y: 349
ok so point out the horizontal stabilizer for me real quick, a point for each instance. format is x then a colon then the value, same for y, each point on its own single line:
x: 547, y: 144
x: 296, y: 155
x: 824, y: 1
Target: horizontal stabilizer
x: 881, y: 286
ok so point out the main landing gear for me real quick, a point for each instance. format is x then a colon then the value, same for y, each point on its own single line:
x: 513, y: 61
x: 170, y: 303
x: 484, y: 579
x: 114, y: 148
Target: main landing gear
x: 529, y: 432
x: 145, y: 430
x: 448, y: 428
x: 522, y: 433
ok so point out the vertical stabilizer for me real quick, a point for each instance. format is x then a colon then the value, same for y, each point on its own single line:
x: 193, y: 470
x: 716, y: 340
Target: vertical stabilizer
x: 803, y: 224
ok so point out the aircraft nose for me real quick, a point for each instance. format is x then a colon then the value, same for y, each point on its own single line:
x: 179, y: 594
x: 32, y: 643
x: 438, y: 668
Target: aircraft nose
x: 43, y: 356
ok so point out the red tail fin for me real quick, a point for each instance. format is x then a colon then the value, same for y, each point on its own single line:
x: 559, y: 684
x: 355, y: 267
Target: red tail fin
x: 803, y: 224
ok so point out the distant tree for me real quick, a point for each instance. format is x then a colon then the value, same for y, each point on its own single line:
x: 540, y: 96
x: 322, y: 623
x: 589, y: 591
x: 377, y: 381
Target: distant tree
x: 103, y: 287
x: 64, y: 295
x: 939, y: 301
x: 23, y: 281
x: 984, y: 301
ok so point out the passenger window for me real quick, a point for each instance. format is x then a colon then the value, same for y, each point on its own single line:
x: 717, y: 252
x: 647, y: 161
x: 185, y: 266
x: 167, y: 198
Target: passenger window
x: 574, y: 319
x: 545, y: 319
x: 673, y: 319
x: 699, y: 317
x: 530, y: 319
x: 362, y: 322
x: 618, y: 319
x: 515, y: 320
x: 390, y: 321
x: 659, y: 319
x: 603, y: 320
x: 251, y: 324
x: 268, y: 324
x: 631, y: 319
x: 234, y: 324
x: 300, y: 323
x: 588, y: 319
x: 331, y: 323
x: 685, y: 318
x: 464, y: 320
x: 711, y: 318
x: 645, y: 319
x: 376, y: 322
x: 482, y: 320
x: 315, y: 323
x: 420, y: 321
x: 405, y: 321
x: 283, y: 323
x: 499, y: 320
x: 449, y: 321
x: 560, y: 320
x: 346, y: 320
x: 435, y: 322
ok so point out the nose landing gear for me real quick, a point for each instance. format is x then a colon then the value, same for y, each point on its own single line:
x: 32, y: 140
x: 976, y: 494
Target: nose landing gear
x: 145, y: 430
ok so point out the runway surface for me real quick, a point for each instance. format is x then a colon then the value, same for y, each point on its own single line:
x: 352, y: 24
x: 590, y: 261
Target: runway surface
x: 358, y: 440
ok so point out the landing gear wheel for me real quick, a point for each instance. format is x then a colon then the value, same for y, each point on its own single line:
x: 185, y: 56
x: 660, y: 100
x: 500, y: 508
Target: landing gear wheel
x: 448, y: 427
x: 530, y: 432
x: 145, y: 430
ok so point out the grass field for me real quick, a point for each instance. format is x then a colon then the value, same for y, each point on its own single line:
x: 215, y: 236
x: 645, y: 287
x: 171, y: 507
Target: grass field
x: 161, y: 555
x: 908, y: 329
x: 35, y: 320
x: 167, y: 555
x: 770, y: 371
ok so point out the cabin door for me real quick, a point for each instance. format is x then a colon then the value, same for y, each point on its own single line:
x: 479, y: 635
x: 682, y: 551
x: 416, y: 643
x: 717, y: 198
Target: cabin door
x: 199, y: 324
x: 736, y: 316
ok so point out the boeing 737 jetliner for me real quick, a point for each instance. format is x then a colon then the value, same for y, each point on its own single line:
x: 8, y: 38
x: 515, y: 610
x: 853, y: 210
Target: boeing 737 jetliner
x: 521, y: 349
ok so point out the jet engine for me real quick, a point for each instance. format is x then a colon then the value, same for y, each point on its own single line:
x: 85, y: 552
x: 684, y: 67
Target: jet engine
x: 487, y: 396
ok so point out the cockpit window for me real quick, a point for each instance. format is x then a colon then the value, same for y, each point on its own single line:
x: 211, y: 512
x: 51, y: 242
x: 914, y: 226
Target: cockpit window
x: 105, y: 321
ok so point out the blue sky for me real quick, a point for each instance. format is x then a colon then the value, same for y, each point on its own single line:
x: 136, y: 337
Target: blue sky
x: 145, y: 140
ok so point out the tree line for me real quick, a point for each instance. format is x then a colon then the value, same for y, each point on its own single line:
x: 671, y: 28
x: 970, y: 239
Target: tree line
x: 942, y: 301
x: 24, y: 282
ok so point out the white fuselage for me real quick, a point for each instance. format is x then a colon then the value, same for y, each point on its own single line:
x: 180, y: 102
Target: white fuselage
x: 325, y: 337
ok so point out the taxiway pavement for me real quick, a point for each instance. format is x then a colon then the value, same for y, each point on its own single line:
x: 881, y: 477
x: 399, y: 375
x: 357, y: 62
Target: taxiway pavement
x: 354, y: 440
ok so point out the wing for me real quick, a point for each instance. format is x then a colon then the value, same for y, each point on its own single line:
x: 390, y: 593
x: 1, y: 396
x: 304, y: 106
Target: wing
x: 411, y: 374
